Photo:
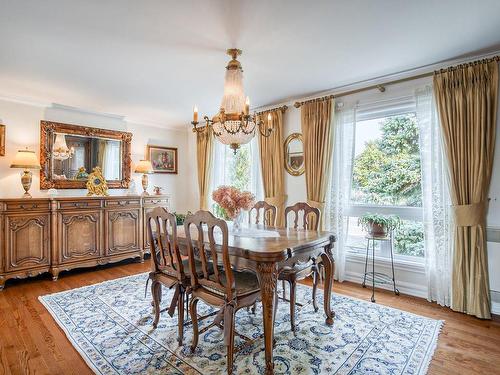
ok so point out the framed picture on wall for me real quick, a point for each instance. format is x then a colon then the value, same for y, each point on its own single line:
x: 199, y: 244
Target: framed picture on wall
x: 163, y: 159
x: 2, y: 140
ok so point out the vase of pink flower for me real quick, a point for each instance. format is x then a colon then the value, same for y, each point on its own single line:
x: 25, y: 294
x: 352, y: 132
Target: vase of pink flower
x: 234, y: 202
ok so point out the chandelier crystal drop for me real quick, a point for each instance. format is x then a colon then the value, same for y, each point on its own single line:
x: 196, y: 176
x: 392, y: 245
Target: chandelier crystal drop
x: 233, y: 125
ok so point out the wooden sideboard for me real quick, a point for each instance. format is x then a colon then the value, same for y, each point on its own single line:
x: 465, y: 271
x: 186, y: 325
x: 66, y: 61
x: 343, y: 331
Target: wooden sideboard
x: 56, y: 234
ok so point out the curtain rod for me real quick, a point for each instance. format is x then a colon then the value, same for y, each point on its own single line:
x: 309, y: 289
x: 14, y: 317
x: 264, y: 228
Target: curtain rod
x: 381, y: 86
x: 282, y: 108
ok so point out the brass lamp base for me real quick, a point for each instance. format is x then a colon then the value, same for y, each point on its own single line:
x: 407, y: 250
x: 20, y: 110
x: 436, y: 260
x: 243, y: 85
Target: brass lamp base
x: 145, y: 181
x: 26, y: 179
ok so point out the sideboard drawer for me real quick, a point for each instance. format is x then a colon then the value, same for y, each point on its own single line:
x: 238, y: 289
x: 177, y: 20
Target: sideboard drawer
x: 126, y: 202
x: 90, y: 203
x: 152, y: 201
x: 28, y: 205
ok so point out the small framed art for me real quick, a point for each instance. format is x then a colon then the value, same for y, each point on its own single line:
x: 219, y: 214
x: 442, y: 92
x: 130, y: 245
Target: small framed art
x: 163, y: 159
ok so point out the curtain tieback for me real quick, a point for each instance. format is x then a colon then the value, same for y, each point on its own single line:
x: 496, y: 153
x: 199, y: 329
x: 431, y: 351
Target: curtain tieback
x: 316, y: 204
x: 276, y: 201
x: 468, y: 215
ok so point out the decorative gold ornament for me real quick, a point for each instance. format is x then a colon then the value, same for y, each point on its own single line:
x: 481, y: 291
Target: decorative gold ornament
x: 96, y: 184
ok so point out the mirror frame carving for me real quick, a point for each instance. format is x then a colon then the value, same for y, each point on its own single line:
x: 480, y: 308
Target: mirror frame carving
x: 289, y: 169
x: 47, y: 129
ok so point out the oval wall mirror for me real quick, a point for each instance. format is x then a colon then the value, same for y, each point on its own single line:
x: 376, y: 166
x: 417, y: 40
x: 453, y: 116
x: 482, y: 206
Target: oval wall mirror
x: 294, y: 154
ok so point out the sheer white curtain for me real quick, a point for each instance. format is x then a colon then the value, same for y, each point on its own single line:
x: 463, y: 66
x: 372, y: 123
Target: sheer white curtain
x: 222, y: 173
x: 436, y: 201
x: 340, y: 186
x: 111, y: 161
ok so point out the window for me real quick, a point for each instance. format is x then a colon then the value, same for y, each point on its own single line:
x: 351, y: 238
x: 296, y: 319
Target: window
x: 386, y: 178
x: 240, y: 169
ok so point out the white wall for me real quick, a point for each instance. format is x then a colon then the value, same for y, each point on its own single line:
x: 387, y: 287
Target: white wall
x: 23, y: 129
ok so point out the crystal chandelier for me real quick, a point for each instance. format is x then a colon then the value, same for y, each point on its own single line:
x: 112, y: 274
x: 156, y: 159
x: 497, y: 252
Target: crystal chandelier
x: 233, y: 125
x: 60, y: 150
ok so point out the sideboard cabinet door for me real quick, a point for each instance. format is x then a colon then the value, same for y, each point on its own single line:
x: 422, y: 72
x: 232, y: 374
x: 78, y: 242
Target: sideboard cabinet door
x: 123, y: 229
x: 27, y: 241
x: 80, y: 235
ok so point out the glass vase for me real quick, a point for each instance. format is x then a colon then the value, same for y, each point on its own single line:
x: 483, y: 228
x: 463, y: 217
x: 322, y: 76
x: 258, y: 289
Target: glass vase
x: 238, y: 222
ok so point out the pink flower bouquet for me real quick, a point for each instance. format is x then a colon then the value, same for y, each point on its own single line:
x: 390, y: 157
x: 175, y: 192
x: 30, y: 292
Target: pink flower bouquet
x: 232, y: 200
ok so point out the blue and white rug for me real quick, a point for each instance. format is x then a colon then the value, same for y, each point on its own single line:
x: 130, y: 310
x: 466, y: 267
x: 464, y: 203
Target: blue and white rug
x: 110, y: 324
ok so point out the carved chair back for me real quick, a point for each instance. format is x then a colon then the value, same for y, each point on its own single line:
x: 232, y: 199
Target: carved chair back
x: 162, y: 231
x: 206, y: 226
x: 310, y: 216
x: 269, y: 214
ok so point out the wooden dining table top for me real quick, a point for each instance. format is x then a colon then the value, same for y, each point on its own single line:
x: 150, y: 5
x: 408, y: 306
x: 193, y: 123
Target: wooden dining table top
x: 286, y: 244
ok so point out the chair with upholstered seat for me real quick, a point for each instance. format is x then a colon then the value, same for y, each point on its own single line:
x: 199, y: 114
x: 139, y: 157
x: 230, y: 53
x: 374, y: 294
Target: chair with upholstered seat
x: 168, y: 267
x: 309, y: 218
x: 225, y: 288
x: 268, y: 214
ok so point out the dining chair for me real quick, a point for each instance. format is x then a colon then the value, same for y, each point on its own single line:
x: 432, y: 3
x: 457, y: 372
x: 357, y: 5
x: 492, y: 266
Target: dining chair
x: 168, y: 267
x: 225, y: 288
x: 269, y: 213
x: 309, y: 217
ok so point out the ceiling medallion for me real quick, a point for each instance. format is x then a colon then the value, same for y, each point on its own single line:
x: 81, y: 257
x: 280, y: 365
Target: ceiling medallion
x: 233, y: 125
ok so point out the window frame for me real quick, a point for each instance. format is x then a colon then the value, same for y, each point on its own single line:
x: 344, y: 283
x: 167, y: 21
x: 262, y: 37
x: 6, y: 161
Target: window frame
x: 377, y: 110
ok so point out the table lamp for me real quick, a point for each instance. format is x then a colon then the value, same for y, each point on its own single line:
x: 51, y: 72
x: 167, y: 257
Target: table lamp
x: 26, y: 160
x: 144, y: 167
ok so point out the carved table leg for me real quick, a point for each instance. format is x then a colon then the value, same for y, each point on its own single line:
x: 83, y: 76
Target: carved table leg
x: 268, y: 275
x: 329, y: 269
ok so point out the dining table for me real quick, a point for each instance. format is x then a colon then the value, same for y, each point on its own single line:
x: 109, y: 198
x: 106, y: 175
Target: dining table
x: 267, y: 251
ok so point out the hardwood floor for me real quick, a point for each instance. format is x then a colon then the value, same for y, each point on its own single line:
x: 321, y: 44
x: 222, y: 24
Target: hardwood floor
x: 32, y: 343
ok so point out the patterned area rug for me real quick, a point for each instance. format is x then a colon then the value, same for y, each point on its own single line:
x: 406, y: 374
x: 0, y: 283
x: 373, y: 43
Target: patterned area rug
x: 110, y: 324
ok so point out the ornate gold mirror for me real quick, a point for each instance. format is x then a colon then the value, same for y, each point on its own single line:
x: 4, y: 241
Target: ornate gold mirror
x: 294, y: 154
x: 69, y: 153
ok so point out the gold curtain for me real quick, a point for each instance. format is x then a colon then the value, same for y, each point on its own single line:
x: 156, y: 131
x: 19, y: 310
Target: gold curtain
x: 467, y: 98
x: 204, y: 146
x: 272, y: 164
x: 317, y: 131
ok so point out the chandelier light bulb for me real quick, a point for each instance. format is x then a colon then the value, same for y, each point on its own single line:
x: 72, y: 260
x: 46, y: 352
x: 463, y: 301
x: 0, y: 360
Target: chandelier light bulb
x: 247, y: 106
x: 195, y: 114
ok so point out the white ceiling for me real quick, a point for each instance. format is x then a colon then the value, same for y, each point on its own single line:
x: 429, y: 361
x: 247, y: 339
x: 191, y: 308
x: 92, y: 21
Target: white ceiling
x: 153, y: 60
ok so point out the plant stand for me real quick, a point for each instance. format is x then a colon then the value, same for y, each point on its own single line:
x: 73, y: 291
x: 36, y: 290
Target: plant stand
x: 377, y: 277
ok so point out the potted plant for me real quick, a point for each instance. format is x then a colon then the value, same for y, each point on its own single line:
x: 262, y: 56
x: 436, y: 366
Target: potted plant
x: 181, y: 217
x: 379, y: 225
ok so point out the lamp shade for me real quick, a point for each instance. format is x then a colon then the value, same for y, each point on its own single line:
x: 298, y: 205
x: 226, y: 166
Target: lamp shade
x: 25, y: 159
x: 144, y: 166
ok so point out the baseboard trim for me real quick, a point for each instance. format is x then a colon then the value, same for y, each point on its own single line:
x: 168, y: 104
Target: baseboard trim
x: 403, y: 287
x: 409, y: 289
x: 495, y: 308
